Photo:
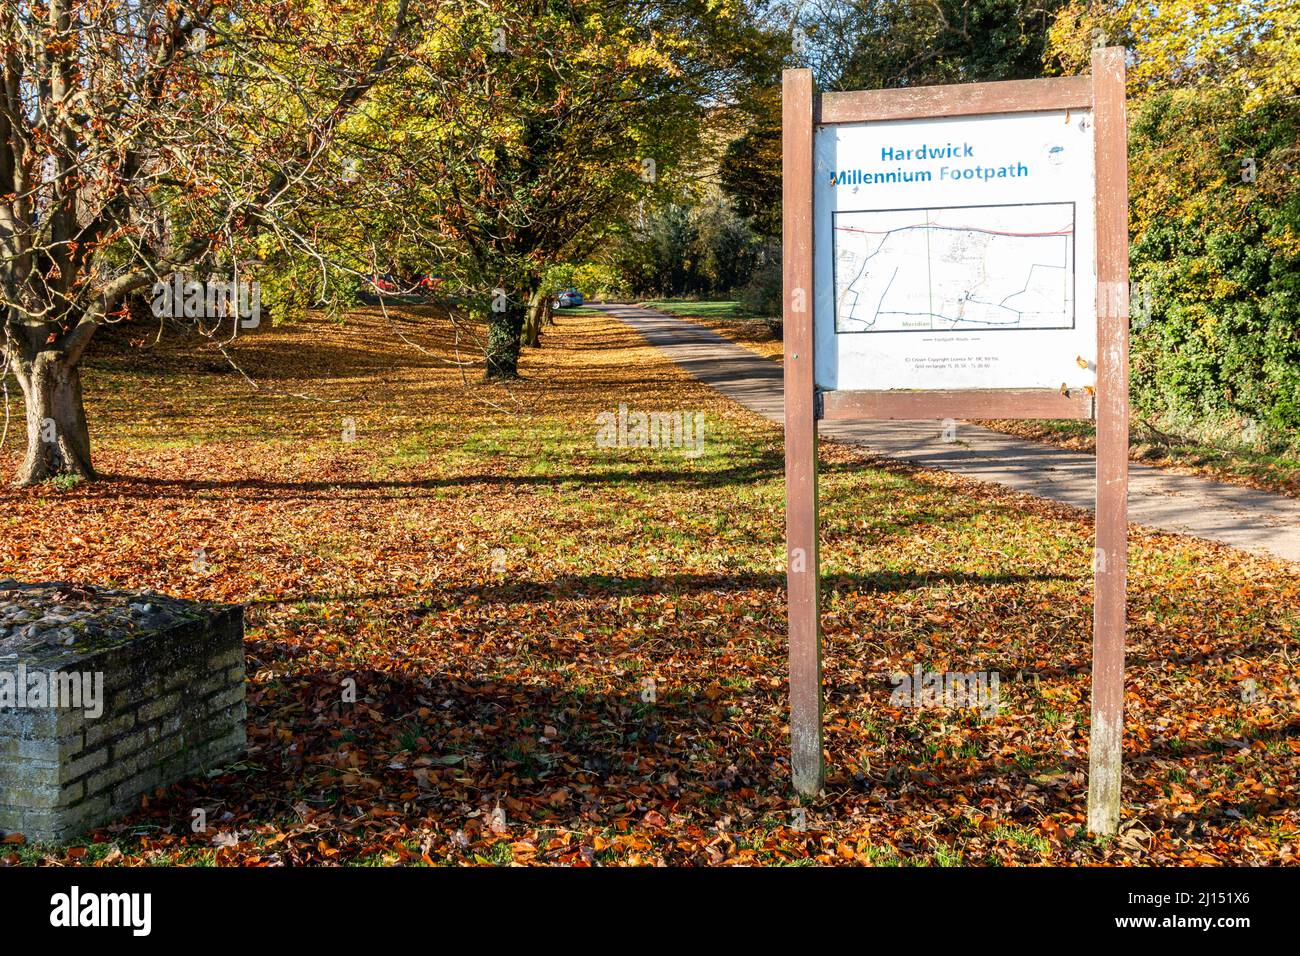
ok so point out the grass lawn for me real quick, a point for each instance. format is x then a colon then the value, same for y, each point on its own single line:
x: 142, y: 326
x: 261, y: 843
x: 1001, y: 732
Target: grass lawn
x: 729, y: 319
x: 1278, y: 472
x: 565, y: 653
x: 723, y: 310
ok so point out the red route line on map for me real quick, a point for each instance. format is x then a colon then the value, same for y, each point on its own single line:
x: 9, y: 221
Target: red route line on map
x: 1064, y: 231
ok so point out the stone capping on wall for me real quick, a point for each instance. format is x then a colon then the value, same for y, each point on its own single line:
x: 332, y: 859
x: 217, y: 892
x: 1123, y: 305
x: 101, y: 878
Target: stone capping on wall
x: 169, y: 704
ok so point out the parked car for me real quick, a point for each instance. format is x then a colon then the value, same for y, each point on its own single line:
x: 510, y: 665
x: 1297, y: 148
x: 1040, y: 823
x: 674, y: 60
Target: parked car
x: 568, y: 299
x: 386, y: 282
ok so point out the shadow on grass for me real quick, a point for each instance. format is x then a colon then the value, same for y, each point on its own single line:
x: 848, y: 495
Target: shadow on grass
x: 611, y: 586
x: 768, y: 466
x: 428, y: 751
x: 764, y: 468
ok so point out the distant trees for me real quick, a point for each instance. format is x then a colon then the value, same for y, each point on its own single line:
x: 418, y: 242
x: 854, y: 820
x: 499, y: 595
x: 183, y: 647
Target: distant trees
x: 707, y: 249
x: 728, y: 248
x: 750, y: 172
x: 881, y: 44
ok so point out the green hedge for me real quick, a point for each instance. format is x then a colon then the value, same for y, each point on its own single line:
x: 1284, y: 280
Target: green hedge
x: 1220, y: 262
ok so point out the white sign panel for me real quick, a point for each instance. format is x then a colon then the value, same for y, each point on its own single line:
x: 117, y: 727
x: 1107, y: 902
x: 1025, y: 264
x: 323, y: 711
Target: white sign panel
x: 956, y: 253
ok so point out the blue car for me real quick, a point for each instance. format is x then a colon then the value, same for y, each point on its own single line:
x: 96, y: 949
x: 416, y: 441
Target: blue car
x: 568, y: 299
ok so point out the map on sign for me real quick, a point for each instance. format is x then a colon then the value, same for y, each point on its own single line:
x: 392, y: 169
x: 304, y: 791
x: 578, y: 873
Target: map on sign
x: 959, y: 268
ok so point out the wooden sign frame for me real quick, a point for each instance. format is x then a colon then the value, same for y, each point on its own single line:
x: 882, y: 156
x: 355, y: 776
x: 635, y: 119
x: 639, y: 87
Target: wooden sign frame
x: 803, y: 110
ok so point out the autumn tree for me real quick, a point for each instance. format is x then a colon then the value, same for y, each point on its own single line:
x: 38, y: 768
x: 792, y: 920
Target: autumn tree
x: 138, y: 138
x: 522, y: 131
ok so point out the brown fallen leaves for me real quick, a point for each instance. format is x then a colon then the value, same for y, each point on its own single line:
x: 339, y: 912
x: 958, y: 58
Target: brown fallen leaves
x: 563, y: 654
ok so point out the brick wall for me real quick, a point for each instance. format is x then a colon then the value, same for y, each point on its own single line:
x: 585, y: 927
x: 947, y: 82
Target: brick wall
x: 173, y: 707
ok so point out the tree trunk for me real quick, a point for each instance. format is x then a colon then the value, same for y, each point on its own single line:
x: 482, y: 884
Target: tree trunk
x: 504, y: 332
x: 536, y: 314
x: 58, y: 440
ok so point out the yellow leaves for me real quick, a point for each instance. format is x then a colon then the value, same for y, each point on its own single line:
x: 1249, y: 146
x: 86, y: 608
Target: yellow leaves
x: 643, y: 55
x: 1253, y: 47
x: 1284, y: 242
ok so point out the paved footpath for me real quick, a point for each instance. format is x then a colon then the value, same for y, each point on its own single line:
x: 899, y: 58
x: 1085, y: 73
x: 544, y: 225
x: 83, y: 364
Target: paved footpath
x: 1240, y: 517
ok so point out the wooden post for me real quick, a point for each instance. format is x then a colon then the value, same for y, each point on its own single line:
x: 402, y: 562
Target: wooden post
x: 801, y: 434
x: 1106, y: 743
